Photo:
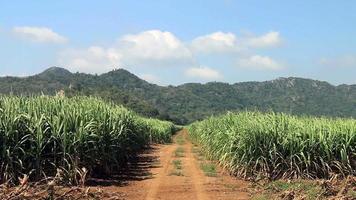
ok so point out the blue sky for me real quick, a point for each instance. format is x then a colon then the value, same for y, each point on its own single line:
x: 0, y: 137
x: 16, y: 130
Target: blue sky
x: 173, y: 42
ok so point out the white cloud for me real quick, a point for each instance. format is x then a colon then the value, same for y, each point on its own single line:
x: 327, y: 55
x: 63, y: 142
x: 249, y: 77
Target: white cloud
x: 150, y: 78
x: 154, y: 45
x: 149, y: 48
x: 39, y: 34
x: 203, y: 73
x: 225, y: 42
x: 342, y: 61
x: 259, y: 62
x: 270, y: 39
x: 156, y: 48
x: 95, y: 59
x: 218, y: 42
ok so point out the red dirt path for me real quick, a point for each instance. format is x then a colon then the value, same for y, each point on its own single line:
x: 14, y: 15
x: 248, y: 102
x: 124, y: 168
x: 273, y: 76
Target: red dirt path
x: 193, y: 185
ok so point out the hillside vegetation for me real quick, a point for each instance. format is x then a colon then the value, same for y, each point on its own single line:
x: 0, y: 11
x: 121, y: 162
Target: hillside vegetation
x: 186, y: 103
x: 43, y: 136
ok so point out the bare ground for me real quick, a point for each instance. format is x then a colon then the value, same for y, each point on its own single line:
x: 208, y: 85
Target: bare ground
x: 191, y: 184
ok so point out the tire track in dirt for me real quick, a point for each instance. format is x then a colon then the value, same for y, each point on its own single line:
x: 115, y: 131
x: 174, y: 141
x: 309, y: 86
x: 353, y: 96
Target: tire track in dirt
x: 172, y: 187
x: 197, y: 177
x: 165, y: 159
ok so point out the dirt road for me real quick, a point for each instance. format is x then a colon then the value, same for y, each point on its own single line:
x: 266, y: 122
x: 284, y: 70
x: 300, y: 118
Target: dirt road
x: 156, y: 177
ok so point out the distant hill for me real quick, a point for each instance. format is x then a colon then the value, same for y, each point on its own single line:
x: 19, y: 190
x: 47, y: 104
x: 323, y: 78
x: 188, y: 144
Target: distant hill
x: 192, y: 101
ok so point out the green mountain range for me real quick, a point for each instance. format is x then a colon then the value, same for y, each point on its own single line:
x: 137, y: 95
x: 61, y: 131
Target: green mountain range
x: 192, y: 101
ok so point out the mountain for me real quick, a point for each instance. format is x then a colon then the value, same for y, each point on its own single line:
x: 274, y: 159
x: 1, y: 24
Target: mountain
x: 55, y: 72
x: 192, y: 101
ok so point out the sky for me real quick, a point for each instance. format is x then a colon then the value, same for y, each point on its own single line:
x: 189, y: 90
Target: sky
x: 174, y: 42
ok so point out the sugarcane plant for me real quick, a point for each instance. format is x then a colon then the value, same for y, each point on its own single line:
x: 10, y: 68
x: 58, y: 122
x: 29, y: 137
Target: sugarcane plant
x: 277, y: 145
x: 41, y: 135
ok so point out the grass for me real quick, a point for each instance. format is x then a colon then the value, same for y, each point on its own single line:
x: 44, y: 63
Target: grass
x: 352, y: 194
x: 197, y: 153
x: 177, y: 164
x: 179, y: 152
x: 177, y: 168
x: 209, y: 169
x: 301, y: 188
x: 294, y: 185
x: 180, y: 140
x: 195, y: 150
x: 276, y: 145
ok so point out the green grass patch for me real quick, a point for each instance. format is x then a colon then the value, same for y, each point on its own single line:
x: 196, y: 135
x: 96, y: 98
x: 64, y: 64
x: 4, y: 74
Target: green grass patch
x: 197, y: 153
x: 209, y: 169
x: 195, y: 150
x: 177, y: 164
x: 281, y: 185
x: 309, y: 190
x: 351, y: 194
x: 179, y: 152
x: 177, y: 171
x: 180, y: 140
